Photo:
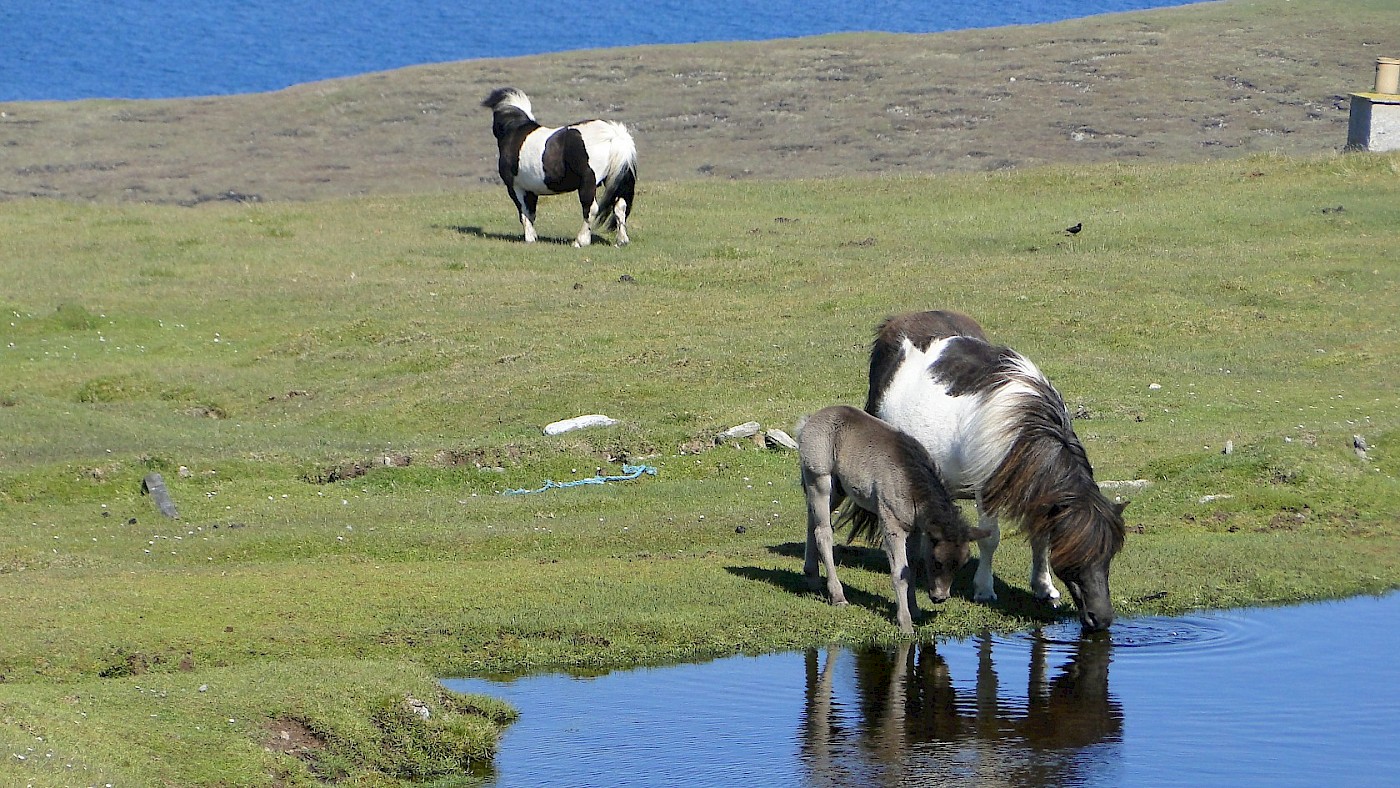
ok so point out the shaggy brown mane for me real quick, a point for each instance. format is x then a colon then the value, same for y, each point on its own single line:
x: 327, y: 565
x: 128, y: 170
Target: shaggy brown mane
x: 1046, y: 482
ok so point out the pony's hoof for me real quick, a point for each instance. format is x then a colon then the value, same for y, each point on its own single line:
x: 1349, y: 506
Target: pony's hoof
x: 984, y: 596
x: 839, y: 603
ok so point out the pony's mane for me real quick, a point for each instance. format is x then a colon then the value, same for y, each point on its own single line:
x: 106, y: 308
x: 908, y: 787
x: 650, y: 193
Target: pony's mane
x: 1045, y: 479
x: 508, y: 99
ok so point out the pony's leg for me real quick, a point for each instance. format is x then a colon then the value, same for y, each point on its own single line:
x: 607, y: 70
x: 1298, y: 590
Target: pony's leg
x: 588, y: 200
x: 1042, y: 581
x: 983, y: 582
x: 527, y: 202
x: 821, y: 541
x: 896, y: 550
x: 620, y: 212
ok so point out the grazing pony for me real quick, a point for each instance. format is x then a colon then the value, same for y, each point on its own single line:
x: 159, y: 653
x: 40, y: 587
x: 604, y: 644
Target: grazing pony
x: 1000, y: 434
x: 847, y: 454
x: 583, y: 156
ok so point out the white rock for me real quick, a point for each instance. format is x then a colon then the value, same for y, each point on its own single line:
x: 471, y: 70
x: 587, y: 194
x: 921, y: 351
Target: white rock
x: 782, y: 439
x: 1125, y: 484
x: 746, y: 430
x: 578, y: 423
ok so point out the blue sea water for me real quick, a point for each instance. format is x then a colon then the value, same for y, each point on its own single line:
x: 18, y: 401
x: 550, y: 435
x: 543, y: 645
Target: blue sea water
x: 74, y: 49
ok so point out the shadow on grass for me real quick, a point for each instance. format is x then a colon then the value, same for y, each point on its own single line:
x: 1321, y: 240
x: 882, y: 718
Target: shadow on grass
x: 796, y: 583
x: 1011, y: 600
x: 483, y: 233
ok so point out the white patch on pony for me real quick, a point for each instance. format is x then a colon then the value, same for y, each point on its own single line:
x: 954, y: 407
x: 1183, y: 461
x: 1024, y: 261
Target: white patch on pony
x: 609, y: 144
x: 968, y: 436
x: 531, y: 172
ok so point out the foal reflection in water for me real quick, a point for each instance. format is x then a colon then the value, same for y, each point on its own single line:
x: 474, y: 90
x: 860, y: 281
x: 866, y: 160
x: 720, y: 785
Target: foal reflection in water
x: 918, y: 726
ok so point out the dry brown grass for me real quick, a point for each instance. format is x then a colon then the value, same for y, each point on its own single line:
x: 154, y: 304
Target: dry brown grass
x: 1210, y: 80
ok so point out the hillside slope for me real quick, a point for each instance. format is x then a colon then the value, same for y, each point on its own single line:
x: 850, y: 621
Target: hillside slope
x: 1202, y: 81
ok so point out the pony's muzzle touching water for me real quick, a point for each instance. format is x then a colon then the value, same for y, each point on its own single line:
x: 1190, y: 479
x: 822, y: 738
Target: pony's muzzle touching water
x: 596, y: 158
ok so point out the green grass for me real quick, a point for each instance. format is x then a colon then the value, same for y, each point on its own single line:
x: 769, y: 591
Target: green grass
x: 336, y: 393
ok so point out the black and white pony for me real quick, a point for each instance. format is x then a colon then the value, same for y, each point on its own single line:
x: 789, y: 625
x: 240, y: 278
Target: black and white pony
x: 1000, y: 434
x: 537, y: 160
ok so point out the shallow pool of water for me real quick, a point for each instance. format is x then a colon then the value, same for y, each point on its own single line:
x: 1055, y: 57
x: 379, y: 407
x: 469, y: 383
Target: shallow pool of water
x: 1306, y: 696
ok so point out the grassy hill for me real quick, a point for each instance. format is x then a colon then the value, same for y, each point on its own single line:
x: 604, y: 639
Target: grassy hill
x: 1186, y: 84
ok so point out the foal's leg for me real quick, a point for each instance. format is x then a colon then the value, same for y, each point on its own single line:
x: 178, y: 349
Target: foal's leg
x: 982, y: 582
x: 526, y: 203
x: 921, y: 563
x: 895, y: 549
x: 588, y: 200
x: 821, y: 499
x: 1042, y: 582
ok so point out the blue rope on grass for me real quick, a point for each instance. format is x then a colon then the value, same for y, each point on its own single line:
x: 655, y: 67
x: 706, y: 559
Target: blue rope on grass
x: 629, y: 472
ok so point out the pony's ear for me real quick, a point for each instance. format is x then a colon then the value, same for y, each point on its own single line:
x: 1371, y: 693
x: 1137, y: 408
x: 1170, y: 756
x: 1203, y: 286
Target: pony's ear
x: 1119, y: 507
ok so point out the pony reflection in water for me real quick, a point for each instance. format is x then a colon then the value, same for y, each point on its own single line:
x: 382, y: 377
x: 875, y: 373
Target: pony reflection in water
x: 912, y: 722
x: 595, y: 158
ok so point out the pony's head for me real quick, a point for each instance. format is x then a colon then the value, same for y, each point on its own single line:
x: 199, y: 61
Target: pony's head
x: 1045, y: 480
x: 943, y: 561
x: 1088, y: 533
x: 505, y: 99
x: 510, y: 109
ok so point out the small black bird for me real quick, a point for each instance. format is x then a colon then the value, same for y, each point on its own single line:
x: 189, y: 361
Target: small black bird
x: 1075, y: 229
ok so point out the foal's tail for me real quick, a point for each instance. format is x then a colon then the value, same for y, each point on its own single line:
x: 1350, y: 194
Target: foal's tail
x: 864, y: 525
x: 618, y: 175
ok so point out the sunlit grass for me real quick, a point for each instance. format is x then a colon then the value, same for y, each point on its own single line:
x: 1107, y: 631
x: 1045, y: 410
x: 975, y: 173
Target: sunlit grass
x: 336, y: 394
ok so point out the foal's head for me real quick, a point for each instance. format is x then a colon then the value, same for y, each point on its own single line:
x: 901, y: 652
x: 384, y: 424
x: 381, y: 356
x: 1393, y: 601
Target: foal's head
x: 944, y: 561
x: 943, y: 534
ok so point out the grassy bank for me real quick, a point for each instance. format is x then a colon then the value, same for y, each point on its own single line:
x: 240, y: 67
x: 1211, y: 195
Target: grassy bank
x: 337, y: 392
x: 1207, y: 81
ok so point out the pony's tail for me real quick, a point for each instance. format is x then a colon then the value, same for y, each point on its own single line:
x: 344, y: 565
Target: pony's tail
x: 864, y: 525
x: 619, y: 176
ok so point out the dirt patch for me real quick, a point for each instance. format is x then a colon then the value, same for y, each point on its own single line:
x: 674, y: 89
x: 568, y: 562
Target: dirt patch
x: 292, y: 737
x: 354, y: 469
